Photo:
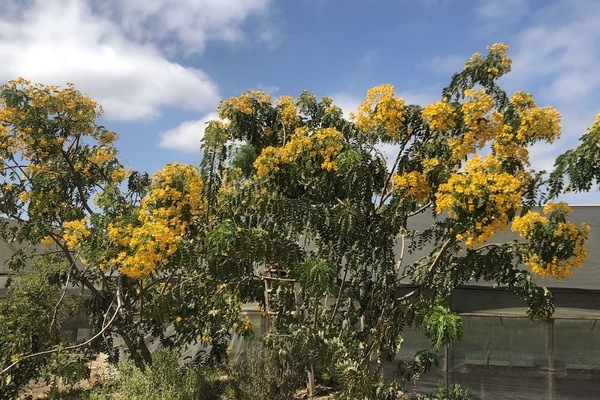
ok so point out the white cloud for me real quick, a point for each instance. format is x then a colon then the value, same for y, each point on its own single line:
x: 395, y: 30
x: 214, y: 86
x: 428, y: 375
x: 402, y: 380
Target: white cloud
x: 444, y: 65
x: 55, y: 41
x: 421, y: 97
x: 501, y: 9
x: 556, y: 58
x: 187, y: 136
x: 190, y: 23
x: 560, y: 47
x: 347, y: 102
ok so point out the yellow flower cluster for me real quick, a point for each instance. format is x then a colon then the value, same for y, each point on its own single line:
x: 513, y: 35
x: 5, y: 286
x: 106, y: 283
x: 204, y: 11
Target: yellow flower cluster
x: 596, y: 124
x: 319, y: 149
x: 483, y: 123
x: 540, y: 124
x: 534, y: 124
x: 74, y: 232
x: 47, y: 240
x: 43, y: 128
x: 45, y: 204
x: 247, y: 324
x: 173, y: 203
x: 560, y: 207
x: 244, y: 103
x: 120, y: 173
x: 33, y: 140
x: 413, y: 184
x: 6, y: 141
x: 506, y: 146
x: 267, y: 163
x: 522, y: 101
x: 504, y: 64
x: 566, y: 241
x: 246, y: 327
x: 100, y: 155
x: 328, y: 142
x: 381, y: 109
x: 501, y: 63
x: 439, y: 116
x: 287, y: 110
x: 480, y: 198
x: 526, y: 225
x: 429, y: 164
x: 106, y: 138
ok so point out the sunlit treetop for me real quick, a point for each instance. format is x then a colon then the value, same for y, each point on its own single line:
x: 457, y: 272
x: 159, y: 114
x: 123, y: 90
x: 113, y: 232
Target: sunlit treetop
x: 55, y: 157
x: 382, y: 112
x: 465, y: 156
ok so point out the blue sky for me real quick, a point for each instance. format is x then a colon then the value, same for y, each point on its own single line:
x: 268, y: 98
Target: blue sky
x: 160, y: 67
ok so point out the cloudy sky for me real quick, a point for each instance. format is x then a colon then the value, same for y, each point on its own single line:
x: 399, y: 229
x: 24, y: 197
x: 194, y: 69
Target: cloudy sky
x: 160, y: 67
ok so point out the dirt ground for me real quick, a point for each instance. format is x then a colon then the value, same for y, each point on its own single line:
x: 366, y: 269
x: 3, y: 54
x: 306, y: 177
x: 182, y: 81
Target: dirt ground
x: 39, y: 390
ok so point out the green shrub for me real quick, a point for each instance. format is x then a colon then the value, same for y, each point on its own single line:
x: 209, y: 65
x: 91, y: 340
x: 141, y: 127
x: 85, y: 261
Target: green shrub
x: 265, y: 373
x: 454, y: 392
x: 165, y: 379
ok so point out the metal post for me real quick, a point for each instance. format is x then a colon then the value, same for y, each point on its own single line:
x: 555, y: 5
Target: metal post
x: 551, y: 355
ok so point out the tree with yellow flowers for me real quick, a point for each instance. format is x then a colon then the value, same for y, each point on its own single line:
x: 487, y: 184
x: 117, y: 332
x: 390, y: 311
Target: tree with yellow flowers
x: 304, y: 175
x: 94, y: 239
x: 290, y: 192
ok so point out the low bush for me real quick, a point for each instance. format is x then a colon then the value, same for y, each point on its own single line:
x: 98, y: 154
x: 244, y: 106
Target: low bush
x: 265, y: 373
x: 165, y: 379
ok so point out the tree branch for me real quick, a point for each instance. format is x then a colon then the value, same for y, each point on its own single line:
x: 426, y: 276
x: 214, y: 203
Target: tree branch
x: 61, y: 297
x: 68, y: 348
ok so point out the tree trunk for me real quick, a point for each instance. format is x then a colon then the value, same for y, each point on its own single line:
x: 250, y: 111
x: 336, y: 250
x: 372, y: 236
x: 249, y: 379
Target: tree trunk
x: 310, y: 384
x: 140, y: 354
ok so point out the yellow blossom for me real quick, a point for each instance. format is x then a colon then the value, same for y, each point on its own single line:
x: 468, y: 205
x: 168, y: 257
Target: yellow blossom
x: 75, y: 231
x: 287, y: 110
x: 174, y: 201
x: 566, y: 241
x: 480, y: 198
x: 319, y: 149
x: 440, y: 116
x: 382, y: 109
x: 483, y: 123
x: 412, y: 184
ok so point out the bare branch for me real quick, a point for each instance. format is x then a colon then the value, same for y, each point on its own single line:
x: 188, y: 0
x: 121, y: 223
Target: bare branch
x: 68, y: 348
x: 62, y: 297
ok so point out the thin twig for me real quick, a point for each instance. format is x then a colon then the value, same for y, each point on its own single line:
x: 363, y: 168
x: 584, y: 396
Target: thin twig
x: 420, y: 210
x: 74, y: 347
x: 62, y: 297
x: 337, y: 300
x: 439, y: 254
x: 384, y: 195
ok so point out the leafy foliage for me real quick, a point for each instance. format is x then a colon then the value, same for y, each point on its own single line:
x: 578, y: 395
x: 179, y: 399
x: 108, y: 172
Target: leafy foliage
x: 325, y: 182
x: 265, y: 373
x: 580, y: 166
x: 164, y: 380
x: 132, y: 246
x: 443, y: 327
x: 31, y: 317
x: 291, y: 192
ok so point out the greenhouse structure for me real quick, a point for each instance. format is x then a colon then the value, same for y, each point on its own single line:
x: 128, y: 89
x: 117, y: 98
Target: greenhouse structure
x: 503, y: 354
